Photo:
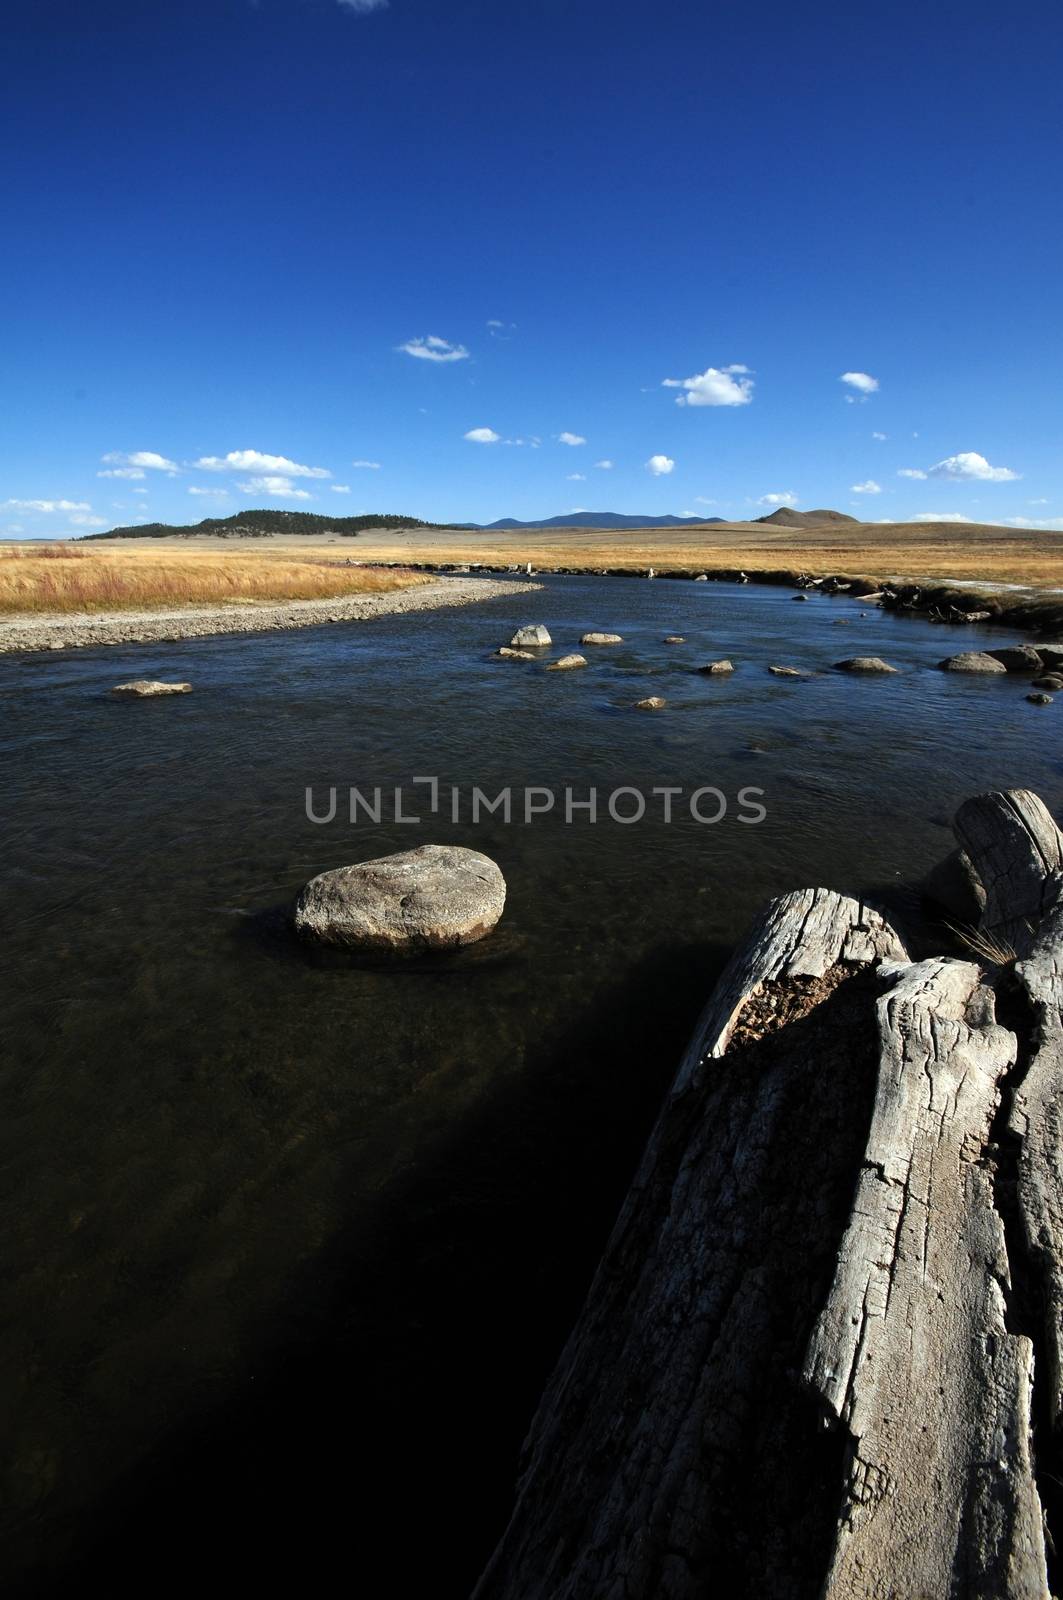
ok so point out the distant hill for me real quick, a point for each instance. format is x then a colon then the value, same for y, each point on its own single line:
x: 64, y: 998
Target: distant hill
x: 259, y: 524
x: 595, y: 519
x: 786, y: 517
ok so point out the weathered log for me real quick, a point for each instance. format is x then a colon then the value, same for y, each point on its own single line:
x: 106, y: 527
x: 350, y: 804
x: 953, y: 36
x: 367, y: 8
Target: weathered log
x: 675, y: 1399
x: 912, y: 1352
x: 1036, y: 1121
x: 1014, y: 847
x: 804, y: 934
x: 803, y: 1369
x: 1018, y: 853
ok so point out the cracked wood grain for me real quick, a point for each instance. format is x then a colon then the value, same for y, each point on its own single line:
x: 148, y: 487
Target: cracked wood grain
x: 912, y: 1353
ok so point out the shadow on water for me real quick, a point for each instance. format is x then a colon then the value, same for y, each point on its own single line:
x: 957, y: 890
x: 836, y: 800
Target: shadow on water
x: 381, y: 1430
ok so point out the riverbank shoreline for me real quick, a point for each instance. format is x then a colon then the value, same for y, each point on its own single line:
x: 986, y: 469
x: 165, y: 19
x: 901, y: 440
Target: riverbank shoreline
x: 21, y: 634
x: 949, y: 600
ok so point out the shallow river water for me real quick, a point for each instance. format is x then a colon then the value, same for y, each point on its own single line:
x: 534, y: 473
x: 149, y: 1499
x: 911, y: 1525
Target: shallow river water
x: 292, y: 1243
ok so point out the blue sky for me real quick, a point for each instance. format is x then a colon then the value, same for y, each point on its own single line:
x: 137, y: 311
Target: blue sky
x: 250, y: 248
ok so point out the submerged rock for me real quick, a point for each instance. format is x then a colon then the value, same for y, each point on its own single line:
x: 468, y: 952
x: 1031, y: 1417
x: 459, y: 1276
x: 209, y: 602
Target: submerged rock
x: 971, y: 661
x: 566, y: 663
x: 652, y: 702
x: 788, y: 672
x: 1039, y: 699
x: 533, y: 633
x: 674, y: 638
x: 864, y: 664
x: 1051, y: 680
x: 716, y: 666
x: 506, y: 654
x: 602, y: 638
x: 436, y: 897
x: 144, y: 688
x: 702, y: 577
x: 799, y: 597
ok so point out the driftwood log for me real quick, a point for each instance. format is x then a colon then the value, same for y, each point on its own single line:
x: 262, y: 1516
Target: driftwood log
x: 822, y: 1353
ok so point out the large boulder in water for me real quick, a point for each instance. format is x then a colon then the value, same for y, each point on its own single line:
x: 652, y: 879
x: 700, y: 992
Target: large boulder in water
x: 864, y: 664
x: 1018, y: 658
x: 972, y: 661
x: 433, y: 898
x: 533, y: 633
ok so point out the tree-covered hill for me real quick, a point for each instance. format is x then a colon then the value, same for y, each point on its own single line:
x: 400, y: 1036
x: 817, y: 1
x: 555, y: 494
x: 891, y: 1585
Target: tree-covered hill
x: 260, y: 524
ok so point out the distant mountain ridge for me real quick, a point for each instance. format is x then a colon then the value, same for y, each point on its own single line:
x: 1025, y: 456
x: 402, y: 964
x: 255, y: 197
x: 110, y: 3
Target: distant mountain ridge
x: 594, y: 519
x: 261, y: 524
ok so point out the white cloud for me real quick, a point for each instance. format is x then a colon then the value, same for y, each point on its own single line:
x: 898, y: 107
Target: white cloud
x: 256, y: 461
x: 660, y: 466
x: 910, y: 472
x: 604, y: 466
x: 1041, y: 501
x: 786, y: 499
x: 969, y: 464
x: 868, y: 487
x: 276, y: 486
x: 482, y: 436
x: 939, y: 516
x: 576, y: 477
x: 213, y: 494
x: 81, y: 519
x: 862, y: 381
x: 140, y: 491
x: 122, y: 472
x: 499, y: 329
x: 1029, y: 522
x: 340, y: 488
x: 140, y: 458
x: 369, y: 466
x: 362, y: 8
x: 571, y: 438
x: 433, y: 348
x: 702, y: 500
x: 880, y: 436
x: 716, y: 386
x: 48, y: 505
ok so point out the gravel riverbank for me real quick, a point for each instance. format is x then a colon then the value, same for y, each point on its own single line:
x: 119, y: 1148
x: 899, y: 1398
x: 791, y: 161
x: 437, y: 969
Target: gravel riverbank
x: 195, y: 622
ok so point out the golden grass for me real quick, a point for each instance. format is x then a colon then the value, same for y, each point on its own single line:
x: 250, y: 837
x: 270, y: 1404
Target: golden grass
x: 945, y: 551
x: 72, y: 578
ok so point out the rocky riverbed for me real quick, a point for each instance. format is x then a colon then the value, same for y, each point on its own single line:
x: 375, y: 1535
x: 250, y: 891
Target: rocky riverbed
x: 197, y: 622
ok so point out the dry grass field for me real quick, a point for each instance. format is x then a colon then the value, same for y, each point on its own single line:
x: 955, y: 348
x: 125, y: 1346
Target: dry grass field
x: 70, y: 578
x: 171, y: 573
x: 940, y: 550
